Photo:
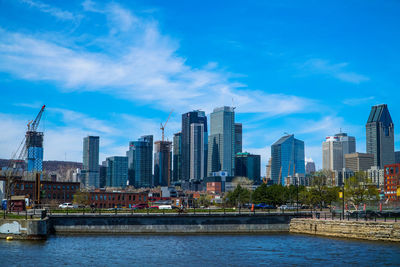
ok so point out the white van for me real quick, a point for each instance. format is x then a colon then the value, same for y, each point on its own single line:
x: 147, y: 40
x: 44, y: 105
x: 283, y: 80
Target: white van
x: 165, y: 207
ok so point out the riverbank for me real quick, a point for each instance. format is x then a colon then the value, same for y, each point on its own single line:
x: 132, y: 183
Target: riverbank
x: 366, y: 230
x: 32, y: 229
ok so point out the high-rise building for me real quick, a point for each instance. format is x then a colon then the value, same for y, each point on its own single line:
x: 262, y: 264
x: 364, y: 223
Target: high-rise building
x: 34, y: 145
x: 91, y: 161
x: 188, y: 118
x: 103, y: 174
x: 221, y: 142
x: 117, y: 171
x: 359, y: 161
x: 248, y: 165
x: 310, y: 167
x: 348, y: 144
x: 196, y: 151
x: 332, y: 154
x: 287, y: 159
x: 162, y: 163
x: 140, y: 161
x: 177, y: 158
x: 333, y: 150
x: 238, y: 137
x: 380, y: 136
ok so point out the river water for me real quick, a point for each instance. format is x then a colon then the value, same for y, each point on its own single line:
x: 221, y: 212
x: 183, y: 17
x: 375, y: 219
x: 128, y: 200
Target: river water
x: 198, y: 250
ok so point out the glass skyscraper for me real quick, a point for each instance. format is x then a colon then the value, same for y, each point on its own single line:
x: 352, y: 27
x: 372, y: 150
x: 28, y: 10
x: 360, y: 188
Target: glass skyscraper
x: 196, y: 151
x: 140, y: 161
x: 238, y: 137
x: 91, y: 161
x: 117, y: 171
x: 248, y: 165
x: 380, y: 136
x: 221, y: 142
x: 188, y: 118
x: 287, y: 159
x: 177, y: 157
x: 162, y: 163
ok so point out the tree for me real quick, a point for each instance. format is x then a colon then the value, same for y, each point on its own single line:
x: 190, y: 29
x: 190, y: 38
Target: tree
x: 358, y: 189
x: 81, y: 198
x: 238, y: 196
x: 274, y: 194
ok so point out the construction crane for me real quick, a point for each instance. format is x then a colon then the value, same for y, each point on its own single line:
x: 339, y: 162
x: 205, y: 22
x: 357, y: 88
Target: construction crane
x: 162, y: 127
x: 21, y: 153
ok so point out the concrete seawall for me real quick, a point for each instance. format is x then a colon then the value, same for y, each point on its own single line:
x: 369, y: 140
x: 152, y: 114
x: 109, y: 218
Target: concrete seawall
x: 382, y: 231
x: 24, y: 229
x: 169, y: 224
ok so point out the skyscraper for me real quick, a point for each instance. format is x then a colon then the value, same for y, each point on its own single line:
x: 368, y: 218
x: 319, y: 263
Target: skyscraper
x: 91, y: 161
x: 221, y: 142
x: 177, y: 157
x: 248, y: 165
x: 196, y: 151
x: 140, y: 161
x: 287, y: 158
x: 162, y: 163
x: 117, y: 171
x: 310, y: 167
x: 332, y: 154
x: 348, y: 144
x: 188, y: 118
x: 380, y: 136
x: 238, y: 137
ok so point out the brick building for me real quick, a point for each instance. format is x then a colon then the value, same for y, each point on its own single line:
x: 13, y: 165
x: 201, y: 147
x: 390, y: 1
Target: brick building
x: 392, y: 181
x: 51, y: 192
x: 111, y: 199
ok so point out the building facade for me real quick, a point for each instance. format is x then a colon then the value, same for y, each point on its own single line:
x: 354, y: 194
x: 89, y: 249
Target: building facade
x: 248, y: 165
x: 221, y: 142
x: 238, y: 138
x: 334, y: 149
x: 287, y: 159
x: 188, y: 118
x: 392, y: 182
x: 380, y: 136
x: 117, y: 171
x: 91, y: 161
x: 140, y: 162
x: 162, y: 163
x: 310, y: 167
x: 196, y: 151
x: 397, y: 157
x: 377, y: 176
x: 359, y: 161
x: 177, y: 158
x: 109, y: 199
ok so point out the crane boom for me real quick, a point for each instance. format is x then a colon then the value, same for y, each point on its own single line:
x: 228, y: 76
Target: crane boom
x: 162, y: 127
x: 32, y: 126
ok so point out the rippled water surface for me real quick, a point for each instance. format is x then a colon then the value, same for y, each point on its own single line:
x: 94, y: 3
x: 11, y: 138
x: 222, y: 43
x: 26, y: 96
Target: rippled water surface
x: 198, y: 250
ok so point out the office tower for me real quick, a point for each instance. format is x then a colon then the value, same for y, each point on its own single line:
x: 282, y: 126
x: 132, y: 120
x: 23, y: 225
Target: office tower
x: 310, y: 167
x: 177, y: 158
x: 140, y: 161
x: 117, y: 171
x: 221, y: 142
x: 332, y: 154
x: 196, y: 151
x: 359, y: 161
x: 397, y: 157
x: 248, y: 165
x: 34, y: 145
x: 348, y: 144
x: 287, y: 158
x: 238, y: 137
x: 380, y: 136
x: 188, y: 118
x: 91, y: 161
x: 162, y: 163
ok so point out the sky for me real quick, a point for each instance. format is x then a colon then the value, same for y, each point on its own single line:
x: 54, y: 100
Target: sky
x: 118, y: 68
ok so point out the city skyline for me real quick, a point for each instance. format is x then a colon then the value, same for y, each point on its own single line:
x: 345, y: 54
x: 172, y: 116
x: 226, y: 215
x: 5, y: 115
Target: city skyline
x: 311, y: 92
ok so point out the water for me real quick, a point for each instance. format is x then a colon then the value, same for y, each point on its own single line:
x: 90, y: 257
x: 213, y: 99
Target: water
x: 198, y: 250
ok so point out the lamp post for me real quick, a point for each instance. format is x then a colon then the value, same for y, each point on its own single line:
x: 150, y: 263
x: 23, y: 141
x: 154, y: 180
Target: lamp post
x: 297, y: 192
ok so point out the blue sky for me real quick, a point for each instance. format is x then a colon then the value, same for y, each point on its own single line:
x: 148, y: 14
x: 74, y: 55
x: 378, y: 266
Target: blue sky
x: 117, y: 68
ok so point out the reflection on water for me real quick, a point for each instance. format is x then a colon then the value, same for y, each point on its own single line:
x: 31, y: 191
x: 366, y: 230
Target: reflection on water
x: 197, y: 250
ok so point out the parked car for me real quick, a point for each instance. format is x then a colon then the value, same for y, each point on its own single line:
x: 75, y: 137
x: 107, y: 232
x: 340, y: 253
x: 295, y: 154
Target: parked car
x: 66, y: 206
x: 264, y: 206
x: 165, y: 207
x: 140, y: 206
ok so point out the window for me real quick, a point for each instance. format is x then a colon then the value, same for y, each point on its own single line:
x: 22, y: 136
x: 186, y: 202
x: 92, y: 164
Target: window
x: 22, y: 186
x: 67, y: 187
x: 119, y: 197
x: 49, y: 196
x: 109, y: 197
x: 101, y: 197
x: 54, y: 196
x: 96, y: 197
x: 129, y: 197
x: 63, y: 187
x: 17, y: 185
x: 54, y: 187
x: 67, y: 196
x: 123, y: 197
x: 72, y: 187
x: 58, y: 187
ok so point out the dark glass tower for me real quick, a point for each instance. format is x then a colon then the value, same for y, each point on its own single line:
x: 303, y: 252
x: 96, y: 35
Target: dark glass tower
x: 380, y: 136
x: 188, y: 118
x: 140, y: 162
x: 177, y: 158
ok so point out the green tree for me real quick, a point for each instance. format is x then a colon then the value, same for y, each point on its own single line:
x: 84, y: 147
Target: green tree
x: 358, y: 189
x: 81, y: 198
x: 238, y: 196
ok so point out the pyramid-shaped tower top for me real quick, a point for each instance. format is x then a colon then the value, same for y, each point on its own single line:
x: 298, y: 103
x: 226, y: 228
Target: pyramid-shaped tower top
x: 380, y: 113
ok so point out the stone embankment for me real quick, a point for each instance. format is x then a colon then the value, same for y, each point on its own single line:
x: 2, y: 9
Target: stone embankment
x: 24, y: 229
x: 382, y: 231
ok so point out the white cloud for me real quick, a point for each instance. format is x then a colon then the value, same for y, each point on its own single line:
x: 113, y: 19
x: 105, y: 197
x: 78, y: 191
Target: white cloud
x: 53, y: 11
x: 338, y: 70
x: 358, y: 101
x: 142, y: 66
